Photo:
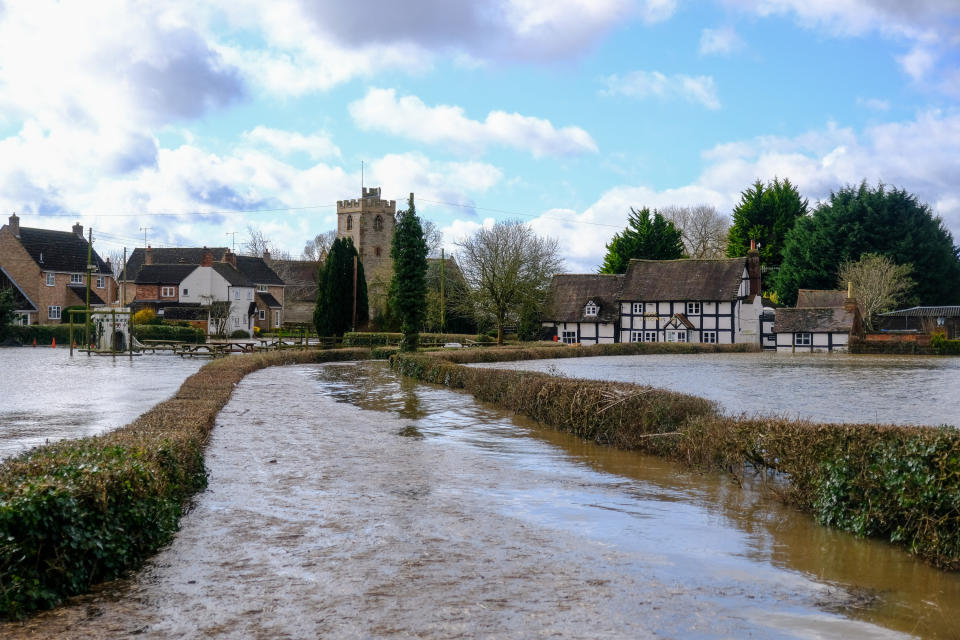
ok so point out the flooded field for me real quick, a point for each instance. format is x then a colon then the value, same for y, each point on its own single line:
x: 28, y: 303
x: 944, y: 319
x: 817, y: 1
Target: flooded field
x: 346, y: 503
x: 820, y: 387
x: 47, y: 395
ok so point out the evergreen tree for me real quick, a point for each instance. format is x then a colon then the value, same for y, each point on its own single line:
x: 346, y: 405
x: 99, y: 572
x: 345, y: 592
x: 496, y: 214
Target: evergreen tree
x: 857, y: 220
x: 333, y: 314
x: 646, y: 237
x: 408, y: 290
x: 7, y: 310
x: 765, y: 214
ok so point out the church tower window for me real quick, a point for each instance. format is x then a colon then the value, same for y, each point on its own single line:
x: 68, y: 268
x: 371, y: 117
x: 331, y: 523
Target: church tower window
x: 349, y: 223
x: 378, y: 223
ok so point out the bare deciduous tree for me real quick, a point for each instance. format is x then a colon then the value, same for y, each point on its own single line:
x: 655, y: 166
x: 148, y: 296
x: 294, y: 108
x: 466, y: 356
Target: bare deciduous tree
x: 256, y: 243
x: 318, y: 248
x: 507, y: 269
x: 704, y: 230
x: 433, y: 236
x: 878, y: 284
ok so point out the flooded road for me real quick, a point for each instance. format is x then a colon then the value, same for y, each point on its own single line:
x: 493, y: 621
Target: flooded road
x: 47, y: 395
x: 825, y: 387
x: 346, y: 503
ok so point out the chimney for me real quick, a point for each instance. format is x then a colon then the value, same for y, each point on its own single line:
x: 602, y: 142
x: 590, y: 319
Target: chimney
x: 230, y: 258
x: 266, y: 255
x: 753, y: 268
x: 148, y: 255
x: 15, y: 224
x: 207, y: 258
x: 850, y: 303
x: 78, y: 229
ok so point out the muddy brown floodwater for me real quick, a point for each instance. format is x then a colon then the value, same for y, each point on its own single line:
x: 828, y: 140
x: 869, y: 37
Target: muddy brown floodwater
x: 346, y: 503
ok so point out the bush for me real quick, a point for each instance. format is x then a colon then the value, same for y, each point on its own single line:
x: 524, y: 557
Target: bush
x: 44, y: 334
x: 83, y: 511
x: 169, y: 332
x: 144, y: 316
x: 240, y: 333
x: 943, y: 347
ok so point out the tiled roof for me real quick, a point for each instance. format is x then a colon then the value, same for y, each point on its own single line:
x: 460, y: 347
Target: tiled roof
x: 231, y: 275
x: 570, y: 293
x: 257, y: 270
x: 821, y: 298
x: 81, y: 291
x: 926, y: 312
x: 164, y: 273
x: 21, y: 302
x: 679, y: 319
x: 813, y: 320
x: 170, y: 255
x: 268, y: 300
x: 59, y: 250
x: 677, y: 280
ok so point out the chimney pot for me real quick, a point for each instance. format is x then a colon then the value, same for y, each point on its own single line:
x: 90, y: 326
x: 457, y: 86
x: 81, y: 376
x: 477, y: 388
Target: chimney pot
x: 147, y: 255
x: 266, y: 255
x: 78, y: 229
x: 753, y: 245
x: 15, y: 224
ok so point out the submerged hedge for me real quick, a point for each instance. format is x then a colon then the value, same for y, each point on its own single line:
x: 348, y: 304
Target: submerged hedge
x: 82, y: 511
x: 894, y: 482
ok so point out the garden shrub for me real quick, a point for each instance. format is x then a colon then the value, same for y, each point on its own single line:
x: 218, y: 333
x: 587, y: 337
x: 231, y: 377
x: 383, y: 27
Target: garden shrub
x: 240, y: 333
x: 169, y: 332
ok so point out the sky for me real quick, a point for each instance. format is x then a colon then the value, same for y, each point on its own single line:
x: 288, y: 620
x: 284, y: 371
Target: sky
x: 190, y: 123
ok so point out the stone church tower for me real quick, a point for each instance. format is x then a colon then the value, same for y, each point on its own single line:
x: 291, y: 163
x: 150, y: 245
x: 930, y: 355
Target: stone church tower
x: 370, y: 222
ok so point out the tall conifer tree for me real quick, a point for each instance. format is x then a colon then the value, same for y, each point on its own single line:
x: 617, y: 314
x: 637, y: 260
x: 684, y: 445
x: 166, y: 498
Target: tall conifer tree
x: 646, y: 238
x: 408, y: 290
x: 333, y: 314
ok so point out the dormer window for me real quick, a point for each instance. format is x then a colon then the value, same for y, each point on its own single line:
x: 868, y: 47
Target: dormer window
x: 591, y: 310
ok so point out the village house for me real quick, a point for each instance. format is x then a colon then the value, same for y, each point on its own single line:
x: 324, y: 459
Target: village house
x: 822, y: 321
x: 583, y: 308
x: 48, y: 271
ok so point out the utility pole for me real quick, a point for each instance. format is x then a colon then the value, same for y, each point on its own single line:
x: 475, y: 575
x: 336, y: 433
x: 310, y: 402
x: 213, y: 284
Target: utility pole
x: 123, y: 283
x: 234, y: 245
x: 86, y: 323
x: 354, y: 325
x: 443, y: 323
x: 145, y: 229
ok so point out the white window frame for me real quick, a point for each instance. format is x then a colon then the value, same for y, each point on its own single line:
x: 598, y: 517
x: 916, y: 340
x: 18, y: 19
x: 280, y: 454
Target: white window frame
x: 236, y: 321
x: 261, y: 315
x: 100, y: 282
x: 262, y: 288
x: 76, y: 278
x: 636, y: 336
x: 803, y: 339
x: 709, y: 337
x: 168, y: 292
x: 54, y: 312
x: 51, y: 279
x: 591, y: 311
x: 568, y: 337
x: 276, y: 319
x: 676, y: 335
x: 649, y: 336
x: 694, y: 308
x: 637, y: 308
x: 236, y: 294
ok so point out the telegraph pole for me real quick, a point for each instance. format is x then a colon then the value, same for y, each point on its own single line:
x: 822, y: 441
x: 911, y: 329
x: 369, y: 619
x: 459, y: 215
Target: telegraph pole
x: 354, y: 325
x: 86, y: 324
x: 443, y: 323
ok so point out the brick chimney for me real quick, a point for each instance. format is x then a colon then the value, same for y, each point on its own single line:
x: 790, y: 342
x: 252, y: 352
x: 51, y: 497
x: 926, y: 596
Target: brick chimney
x: 850, y: 303
x: 753, y: 268
x: 148, y: 255
x: 207, y: 258
x: 78, y: 229
x: 230, y: 258
x: 266, y: 255
x: 15, y: 224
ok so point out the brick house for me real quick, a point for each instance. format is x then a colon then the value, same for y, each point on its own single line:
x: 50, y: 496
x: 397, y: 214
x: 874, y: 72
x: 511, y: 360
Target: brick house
x: 48, y: 270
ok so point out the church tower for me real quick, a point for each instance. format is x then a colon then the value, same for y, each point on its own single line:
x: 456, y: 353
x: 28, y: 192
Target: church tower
x: 370, y: 222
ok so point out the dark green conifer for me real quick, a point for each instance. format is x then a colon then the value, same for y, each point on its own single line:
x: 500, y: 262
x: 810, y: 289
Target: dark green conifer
x: 408, y: 289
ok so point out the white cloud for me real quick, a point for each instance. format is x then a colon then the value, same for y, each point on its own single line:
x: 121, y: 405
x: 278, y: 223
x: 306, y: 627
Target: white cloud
x: 409, y: 117
x: 653, y: 84
x: 317, y: 145
x: 719, y: 41
x: 874, y: 104
x: 918, y: 62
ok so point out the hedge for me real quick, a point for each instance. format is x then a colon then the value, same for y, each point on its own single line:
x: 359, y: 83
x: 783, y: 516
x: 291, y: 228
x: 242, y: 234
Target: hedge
x: 169, y: 332
x: 893, y: 482
x: 79, y: 512
x: 371, y: 338
x: 45, y: 333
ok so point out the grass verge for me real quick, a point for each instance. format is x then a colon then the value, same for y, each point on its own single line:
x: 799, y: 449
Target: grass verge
x: 82, y: 511
x: 893, y: 482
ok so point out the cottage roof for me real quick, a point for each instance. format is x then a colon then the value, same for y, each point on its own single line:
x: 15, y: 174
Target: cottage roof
x: 59, y: 250
x: 268, y: 300
x: 926, y: 312
x: 814, y: 320
x: 81, y: 291
x: 21, y: 301
x: 231, y: 275
x: 170, y: 255
x: 257, y: 270
x: 678, y: 320
x: 164, y: 273
x: 820, y: 298
x: 570, y: 293
x: 675, y: 280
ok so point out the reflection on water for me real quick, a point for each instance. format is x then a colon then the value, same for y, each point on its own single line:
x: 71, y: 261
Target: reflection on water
x: 735, y: 544
x: 820, y: 387
x: 47, y: 395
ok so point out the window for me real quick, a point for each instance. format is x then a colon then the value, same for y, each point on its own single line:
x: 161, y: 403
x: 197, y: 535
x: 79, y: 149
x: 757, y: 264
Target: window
x: 262, y: 288
x: 50, y: 279
x: 53, y: 313
x: 591, y: 310
x: 649, y: 336
x: 676, y: 336
x: 349, y: 223
x: 693, y: 308
x: 803, y: 339
x: 710, y: 337
x: 376, y: 251
x: 76, y: 278
x: 378, y: 224
x: 186, y: 292
x: 569, y: 337
x: 168, y: 292
x: 636, y: 336
x: 263, y: 314
x: 276, y: 319
x: 99, y: 282
x: 637, y: 308
x: 249, y: 294
x: 236, y: 294
x: 236, y: 321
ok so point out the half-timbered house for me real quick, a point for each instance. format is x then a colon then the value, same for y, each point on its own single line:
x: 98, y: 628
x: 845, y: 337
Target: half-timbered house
x: 582, y: 308
x: 825, y: 327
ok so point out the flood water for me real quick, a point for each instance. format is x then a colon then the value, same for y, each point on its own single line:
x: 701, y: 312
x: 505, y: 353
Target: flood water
x: 820, y: 387
x: 47, y: 395
x: 347, y: 503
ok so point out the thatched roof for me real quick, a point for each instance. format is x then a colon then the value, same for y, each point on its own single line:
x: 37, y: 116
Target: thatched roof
x: 814, y: 320
x: 678, y: 280
x: 570, y: 293
x: 820, y: 298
